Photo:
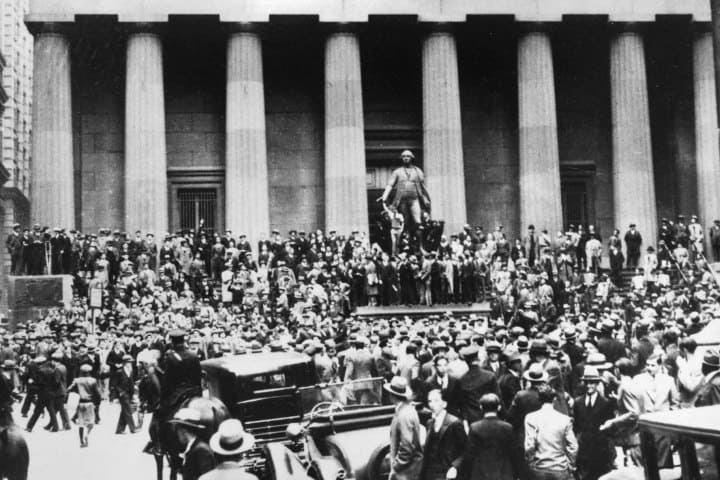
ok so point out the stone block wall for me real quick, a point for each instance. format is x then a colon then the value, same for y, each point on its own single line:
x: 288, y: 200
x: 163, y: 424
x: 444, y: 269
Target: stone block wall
x: 294, y: 122
x: 582, y: 89
x: 670, y: 89
x: 98, y: 76
x: 488, y: 95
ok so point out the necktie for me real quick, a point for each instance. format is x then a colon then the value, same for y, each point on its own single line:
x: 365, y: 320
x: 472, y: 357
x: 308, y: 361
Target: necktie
x: 589, y: 402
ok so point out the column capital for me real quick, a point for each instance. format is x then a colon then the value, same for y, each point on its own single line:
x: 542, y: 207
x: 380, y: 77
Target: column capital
x: 439, y: 28
x: 536, y: 27
x: 147, y: 28
x: 52, y: 28
x: 341, y: 27
x: 242, y: 27
x: 701, y: 27
x: 629, y: 27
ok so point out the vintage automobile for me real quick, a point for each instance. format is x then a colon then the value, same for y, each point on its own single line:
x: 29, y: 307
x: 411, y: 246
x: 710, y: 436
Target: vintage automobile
x: 696, y: 435
x: 303, y: 430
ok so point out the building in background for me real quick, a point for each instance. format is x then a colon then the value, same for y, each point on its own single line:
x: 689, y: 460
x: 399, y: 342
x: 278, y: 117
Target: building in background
x: 16, y: 45
x: 257, y: 115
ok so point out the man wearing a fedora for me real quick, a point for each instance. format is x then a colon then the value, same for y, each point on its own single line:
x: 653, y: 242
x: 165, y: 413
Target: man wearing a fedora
x: 198, y: 458
x: 125, y: 387
x: 405, y: 448
x: 527, y: 400
x: 709, y: 393
x: 590, y: 411
x: 229, y: 444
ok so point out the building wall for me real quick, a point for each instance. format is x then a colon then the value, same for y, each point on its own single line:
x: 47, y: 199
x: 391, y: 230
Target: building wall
x: 669, y: 62
x: 488, y: 94
x: 582, y: 89
x: 390, y: 56
x: 98, y: 111
x: 294, y: 106
x: 16, y: 45
x: 194, y: 96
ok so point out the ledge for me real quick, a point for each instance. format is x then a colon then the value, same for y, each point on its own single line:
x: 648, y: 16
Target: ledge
x: 362, y: 10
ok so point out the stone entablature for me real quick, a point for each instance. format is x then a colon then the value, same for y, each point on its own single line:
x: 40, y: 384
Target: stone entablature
x: 364, y: 10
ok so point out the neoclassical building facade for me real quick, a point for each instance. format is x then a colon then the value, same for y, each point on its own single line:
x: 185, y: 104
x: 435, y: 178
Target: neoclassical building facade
x: 260, y: 114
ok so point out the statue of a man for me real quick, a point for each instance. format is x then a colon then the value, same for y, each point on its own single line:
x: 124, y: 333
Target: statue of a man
x: 409, y: 195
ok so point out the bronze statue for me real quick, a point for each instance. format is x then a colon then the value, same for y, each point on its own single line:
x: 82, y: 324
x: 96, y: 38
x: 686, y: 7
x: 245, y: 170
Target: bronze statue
x: 409, y: 195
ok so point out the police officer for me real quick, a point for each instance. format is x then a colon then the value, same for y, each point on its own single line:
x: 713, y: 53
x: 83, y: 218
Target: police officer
x: 182, y: 374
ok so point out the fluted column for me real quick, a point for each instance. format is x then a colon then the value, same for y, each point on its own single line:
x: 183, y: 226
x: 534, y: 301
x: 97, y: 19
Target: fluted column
x: 53, y: 188
x: 706, y: 130
x: 346, y: 207
x: 247, y: 198
x: 539, y: 170
x: 146, y: 191
x: 442, y: 129
x: 633, y: 180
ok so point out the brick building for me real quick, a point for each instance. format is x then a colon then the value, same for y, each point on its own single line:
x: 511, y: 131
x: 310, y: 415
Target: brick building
x: 275, y: 114
x: 16, y: 44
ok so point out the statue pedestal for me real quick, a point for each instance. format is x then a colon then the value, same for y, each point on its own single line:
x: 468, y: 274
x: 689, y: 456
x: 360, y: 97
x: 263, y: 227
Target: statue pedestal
x: 29, y: 296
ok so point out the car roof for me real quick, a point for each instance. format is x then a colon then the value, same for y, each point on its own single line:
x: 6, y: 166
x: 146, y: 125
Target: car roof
x: 252, y: 364
x: 702, y: 424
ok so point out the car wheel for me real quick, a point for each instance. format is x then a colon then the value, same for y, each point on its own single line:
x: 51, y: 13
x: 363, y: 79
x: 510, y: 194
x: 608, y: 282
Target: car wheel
x: 378, y: 467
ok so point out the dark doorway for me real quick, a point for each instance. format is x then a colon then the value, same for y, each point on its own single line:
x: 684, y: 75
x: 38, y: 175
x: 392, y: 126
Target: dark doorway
x: 196, y: 205
x: 578, y: 196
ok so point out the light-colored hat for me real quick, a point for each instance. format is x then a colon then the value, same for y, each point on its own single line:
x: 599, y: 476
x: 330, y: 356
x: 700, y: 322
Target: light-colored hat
x: 189, y: 418
x: 591, y: 374
x: 536, y: 374
x: 398, y: 387
x: 231, y: 438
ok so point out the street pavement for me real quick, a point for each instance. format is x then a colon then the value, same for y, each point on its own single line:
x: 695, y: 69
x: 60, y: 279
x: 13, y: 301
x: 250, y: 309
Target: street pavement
x: 58, y: 456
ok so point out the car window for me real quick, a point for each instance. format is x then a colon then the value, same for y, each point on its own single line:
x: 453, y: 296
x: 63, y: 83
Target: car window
x: 261, y: 382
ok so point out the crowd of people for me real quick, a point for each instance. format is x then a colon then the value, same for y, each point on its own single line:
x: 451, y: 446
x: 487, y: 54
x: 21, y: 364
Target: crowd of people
x: 548, y: 383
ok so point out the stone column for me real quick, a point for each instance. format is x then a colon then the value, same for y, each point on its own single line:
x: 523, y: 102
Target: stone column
x: 247, y: 198
x: 539, y: 169
x: 442, y: 129
x: 633, y: 180
x: 146, y: 189
x: 53, y: 187
x: 346, y: 207
x: 707, y: 153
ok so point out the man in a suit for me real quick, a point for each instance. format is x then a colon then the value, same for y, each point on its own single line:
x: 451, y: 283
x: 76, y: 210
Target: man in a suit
x: 661, y: 395
x: 709, y: 393
x: 550, y: 443
x: 445, y: 441
x: 475, y: 383
x: 360, y: 365
x: 590, y: 411
x: 59, y: 392
x: 633, y: 243
x: 14, y: 246
x: 125, y: 388
x: 405, y: 449
x: 527, y: 400
x: 511, y: 381
x: 492, y: 363
x: 229, y: 445
x: 443, y: 381
x: 492, y: 451
x: 198, y: 458
x: 530, y: 242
